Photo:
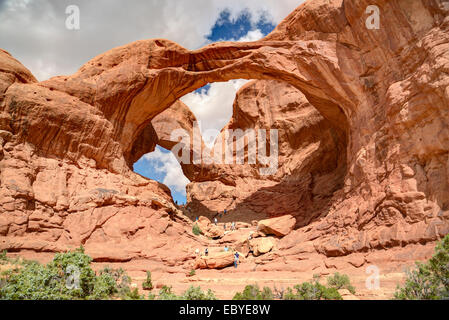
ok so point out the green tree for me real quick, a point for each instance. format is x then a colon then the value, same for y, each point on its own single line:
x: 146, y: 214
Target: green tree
x: 148, y: 284
x: 252, y: 292
x: 67, y: 276
x: 429, y: 280
x: 340, y: 281
x: 195, y: 293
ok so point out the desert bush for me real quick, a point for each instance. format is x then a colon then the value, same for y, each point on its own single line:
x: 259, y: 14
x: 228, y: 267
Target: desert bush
x: 429, y: 280
x: 195, y: 293
x: 340, y: 281
x: 147, y: 284
x: 196, y: 230
x: 192, y: 272
x: 3, y: 256
x: 316, y: 291
x: 128, y: 294
x: 151, y: 296
x: 105, y: 286
x: 252, y: 292
x: 311, y: 290
x: 192, y: 293
x: 166, y: 294
x: 67, y: 276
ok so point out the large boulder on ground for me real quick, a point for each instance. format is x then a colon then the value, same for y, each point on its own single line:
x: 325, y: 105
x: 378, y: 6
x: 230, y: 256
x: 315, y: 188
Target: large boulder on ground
x: 215, y: 260
x: 209, y: 229
x: 279, y: 226
x: 262, y: 245
x: 203, y: 223
x: 215, y: 232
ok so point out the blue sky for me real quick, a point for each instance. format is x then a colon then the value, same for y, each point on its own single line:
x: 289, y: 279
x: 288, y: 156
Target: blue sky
x: 161, y: 166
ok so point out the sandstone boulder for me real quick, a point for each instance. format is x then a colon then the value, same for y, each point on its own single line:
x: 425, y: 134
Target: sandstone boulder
x: 279, y: 226
x: 210, y: 229
x: 215, y: 260
x: 262, y: 245
x: 215, y: 231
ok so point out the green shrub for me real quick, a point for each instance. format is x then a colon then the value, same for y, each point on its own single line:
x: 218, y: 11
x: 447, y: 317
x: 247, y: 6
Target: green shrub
x: 63, y: 262
x: 147, y: 284
x: 3, y: 256
x: 312, y: 290
x: 316, y: 291
x: 196, y: 230
x: 105, y: 286
x: 195, y: 293
x: 289, y: 295
x: 340, y: 281
x: 151, y: 296
x: 67, y: 276
x: 166, y: 294
x: 129, y: 294
x: 192, y: 272
x: 192, y: 293
x: 252, y: 292
x: 430, y: 280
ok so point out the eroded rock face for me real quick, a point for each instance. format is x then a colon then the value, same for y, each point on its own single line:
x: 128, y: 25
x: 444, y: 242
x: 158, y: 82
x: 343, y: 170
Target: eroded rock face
x: 366, y: 112
x: 311, y: 161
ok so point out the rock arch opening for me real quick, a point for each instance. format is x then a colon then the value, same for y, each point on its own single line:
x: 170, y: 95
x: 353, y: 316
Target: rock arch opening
x: 311, y: 158
x: 139, y: 82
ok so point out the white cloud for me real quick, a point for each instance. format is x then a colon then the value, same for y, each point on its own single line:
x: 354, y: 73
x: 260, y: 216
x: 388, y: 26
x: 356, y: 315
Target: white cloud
x: 213, y: 109
x: 166, y: 164
x: 34, y: 31
x: 252, y: 35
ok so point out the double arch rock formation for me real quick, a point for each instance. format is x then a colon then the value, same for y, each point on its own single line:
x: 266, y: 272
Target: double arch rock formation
x: 68, y: 143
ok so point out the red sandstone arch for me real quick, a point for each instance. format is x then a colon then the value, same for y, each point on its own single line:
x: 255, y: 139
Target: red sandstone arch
x: 130, y: 85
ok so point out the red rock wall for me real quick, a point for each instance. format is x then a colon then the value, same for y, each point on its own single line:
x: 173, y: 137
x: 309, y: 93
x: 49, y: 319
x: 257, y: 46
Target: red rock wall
x: 385, y: 90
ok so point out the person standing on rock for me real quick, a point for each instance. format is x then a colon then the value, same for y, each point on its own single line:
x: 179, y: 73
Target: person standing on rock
x: 206, y: 252
x: 236, y: 259
x: 233, y: 226
x: 215, y: 220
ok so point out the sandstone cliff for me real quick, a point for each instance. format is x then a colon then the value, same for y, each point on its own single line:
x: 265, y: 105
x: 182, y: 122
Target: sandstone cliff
x: 364, y: 160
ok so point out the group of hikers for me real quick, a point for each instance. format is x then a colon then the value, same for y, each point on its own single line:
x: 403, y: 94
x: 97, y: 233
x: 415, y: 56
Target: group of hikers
x: 226, y: 248
x: 221, y: 215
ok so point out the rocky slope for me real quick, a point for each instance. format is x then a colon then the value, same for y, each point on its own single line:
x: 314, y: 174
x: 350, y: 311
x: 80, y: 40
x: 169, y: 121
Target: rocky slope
x: 363, y: 163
